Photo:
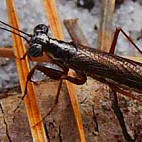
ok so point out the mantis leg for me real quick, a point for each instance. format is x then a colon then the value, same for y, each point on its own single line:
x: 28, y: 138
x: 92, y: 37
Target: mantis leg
x: 115, y: 37
x: 52, y: 73
x: 113, y: 94
x: 56, y: 75
x: 78, y: 80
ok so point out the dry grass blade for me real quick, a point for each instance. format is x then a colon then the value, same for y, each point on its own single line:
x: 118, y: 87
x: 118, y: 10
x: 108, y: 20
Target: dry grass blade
x: 55, y: 24
x: 105, y: 36
x: 53, y: 18
x: 8, y: 53
x: 75, y: 31
x: 23, y: 69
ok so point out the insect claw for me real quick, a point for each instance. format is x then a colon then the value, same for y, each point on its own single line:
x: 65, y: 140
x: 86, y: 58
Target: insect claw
x: 18, y: 106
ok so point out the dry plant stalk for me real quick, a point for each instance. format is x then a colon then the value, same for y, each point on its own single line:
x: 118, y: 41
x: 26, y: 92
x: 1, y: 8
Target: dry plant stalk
x: 31, y: 104
x: 56, y: 27
x: 105, y: 35
x: 75, y: 31
x: 8, y: 53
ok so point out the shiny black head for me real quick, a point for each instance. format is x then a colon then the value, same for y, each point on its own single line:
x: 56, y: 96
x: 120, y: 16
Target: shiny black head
x: 35, y: 50
x: 38, y: 41
x: 41, y: 28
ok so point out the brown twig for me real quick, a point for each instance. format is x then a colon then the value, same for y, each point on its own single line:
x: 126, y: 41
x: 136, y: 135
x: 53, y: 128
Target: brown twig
x: 105, y: 36
x: 33, y: 112
x: 75, y: 32
x: 7, y: 52
x: 56, y: 28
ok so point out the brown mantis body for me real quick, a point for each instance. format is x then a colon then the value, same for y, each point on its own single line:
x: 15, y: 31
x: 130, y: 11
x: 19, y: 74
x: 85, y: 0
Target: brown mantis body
x: 119, y: 73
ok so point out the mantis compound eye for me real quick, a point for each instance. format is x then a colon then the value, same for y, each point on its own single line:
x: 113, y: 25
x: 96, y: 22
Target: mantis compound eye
x: 41, y: 28
x: 35, y: 50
